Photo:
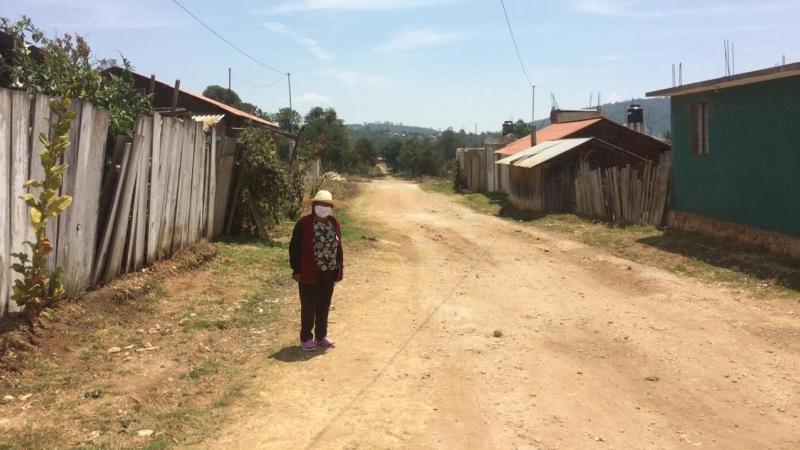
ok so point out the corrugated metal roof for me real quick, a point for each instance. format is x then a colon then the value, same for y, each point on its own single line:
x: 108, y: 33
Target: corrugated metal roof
x: 232, y: 110
x: 224, y: 107
x: 526, y: 153
x: 543, y: 152
x: 548, y: 133
x: 560, y: 147
x: 515, y: 147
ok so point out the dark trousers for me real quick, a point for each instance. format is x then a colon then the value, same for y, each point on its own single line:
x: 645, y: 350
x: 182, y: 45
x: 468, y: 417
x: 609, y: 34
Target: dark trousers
x: 315, y: 302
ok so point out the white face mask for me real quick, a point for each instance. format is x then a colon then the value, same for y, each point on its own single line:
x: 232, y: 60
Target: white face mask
x: 323, y: 211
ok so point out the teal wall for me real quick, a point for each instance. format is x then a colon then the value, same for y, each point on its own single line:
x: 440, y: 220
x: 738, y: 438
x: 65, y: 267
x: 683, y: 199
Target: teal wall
x: 751, y: 175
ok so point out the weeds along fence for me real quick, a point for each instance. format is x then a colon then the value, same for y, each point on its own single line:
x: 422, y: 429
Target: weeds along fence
x: 163, y: 190
x: 624, y: 194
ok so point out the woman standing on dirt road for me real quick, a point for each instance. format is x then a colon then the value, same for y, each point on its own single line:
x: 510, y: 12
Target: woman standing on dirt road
x: 315, y: 254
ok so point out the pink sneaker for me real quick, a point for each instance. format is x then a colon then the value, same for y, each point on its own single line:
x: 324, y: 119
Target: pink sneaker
x: 325, y: 342
x: 308, y: 345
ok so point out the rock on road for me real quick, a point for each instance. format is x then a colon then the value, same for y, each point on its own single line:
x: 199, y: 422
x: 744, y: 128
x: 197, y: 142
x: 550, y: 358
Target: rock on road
x: 590, y: 353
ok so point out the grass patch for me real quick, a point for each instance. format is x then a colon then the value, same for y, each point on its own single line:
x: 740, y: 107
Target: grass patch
x: 205, y: 369
x: 32, y: 437
x: 438, y: 186
x: 207, y: 326
x: 485, y: 202
x: 229, y: 396
x: 707, y: 258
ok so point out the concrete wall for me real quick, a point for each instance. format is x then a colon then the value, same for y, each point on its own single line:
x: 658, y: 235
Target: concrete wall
x: 751, y: 175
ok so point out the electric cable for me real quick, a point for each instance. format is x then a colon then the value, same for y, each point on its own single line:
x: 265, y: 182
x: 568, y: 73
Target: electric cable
x: 227, y: 41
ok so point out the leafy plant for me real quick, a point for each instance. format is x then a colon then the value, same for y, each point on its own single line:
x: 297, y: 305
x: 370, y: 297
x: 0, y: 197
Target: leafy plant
x: 276, y: 187
x: 36, y: 291
x: 64, y: 66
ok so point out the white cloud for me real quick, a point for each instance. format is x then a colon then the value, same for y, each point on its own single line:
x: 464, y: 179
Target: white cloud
x: 313, y: 98
x: 420, y: 37
x: 634, y: 9
x: 614, y: 98
x: 310, y: 44
x: 352, y: 78
x: 354, y: 5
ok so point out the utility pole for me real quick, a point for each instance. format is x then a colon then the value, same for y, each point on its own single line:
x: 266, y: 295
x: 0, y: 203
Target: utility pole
x: 533, y: 104
x: 229, y: 78
x: 291, y: 111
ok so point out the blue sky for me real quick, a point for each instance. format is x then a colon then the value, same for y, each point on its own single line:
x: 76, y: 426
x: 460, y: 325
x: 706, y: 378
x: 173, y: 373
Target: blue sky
x: 437, y: 63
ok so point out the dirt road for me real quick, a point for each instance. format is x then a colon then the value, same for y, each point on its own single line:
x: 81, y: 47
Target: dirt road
x: 595, y: 352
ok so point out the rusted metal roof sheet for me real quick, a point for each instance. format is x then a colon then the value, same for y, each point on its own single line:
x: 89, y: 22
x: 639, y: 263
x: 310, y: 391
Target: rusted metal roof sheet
x: 548, y: 133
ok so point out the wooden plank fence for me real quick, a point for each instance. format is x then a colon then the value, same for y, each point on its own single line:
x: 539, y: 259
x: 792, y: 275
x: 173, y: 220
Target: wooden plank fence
x: 624, y: 194
x: 165, y: 189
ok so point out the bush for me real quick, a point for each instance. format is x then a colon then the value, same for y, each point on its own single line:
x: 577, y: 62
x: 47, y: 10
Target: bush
x: 276, y: 187
x: 63, y: 66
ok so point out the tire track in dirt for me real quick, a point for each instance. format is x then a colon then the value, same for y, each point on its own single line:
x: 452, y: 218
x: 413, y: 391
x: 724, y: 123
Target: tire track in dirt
x: 416, y: 365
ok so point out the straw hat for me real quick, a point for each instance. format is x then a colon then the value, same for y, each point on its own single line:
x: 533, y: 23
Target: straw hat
x: 322, y: 197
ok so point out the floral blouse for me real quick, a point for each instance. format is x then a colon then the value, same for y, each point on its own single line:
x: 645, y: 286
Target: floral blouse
x: 326, y: 245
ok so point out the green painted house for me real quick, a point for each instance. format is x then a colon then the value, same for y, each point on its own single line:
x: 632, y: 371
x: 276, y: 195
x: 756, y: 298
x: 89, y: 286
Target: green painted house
x: 736, y: 155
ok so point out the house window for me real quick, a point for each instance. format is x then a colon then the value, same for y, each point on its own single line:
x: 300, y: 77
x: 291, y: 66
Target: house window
x: 700, y: 129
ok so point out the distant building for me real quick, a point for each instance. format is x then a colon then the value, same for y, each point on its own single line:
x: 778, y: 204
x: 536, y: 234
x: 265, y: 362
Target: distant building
x: 736, y: 158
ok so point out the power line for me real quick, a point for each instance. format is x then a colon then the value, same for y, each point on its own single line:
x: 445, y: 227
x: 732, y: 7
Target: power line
x: 258, y: 85
x: 515, y: 44
x: 227, y: 41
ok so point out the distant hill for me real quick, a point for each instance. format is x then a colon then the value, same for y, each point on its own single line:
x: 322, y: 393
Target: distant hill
x: 398, y: 128
x: 656, y: 118
x: 656, y: 113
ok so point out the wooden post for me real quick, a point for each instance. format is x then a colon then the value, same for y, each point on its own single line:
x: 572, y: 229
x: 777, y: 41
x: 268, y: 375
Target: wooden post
x: 5, y: 200
x: 101, y: 260
x: 175, y: 93
x: 155, y: 208
x: 152, y: 90
x: 212, y: 185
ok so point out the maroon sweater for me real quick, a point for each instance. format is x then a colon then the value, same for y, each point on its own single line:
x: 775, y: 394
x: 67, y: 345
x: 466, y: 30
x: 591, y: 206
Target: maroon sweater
x: 301, y: 250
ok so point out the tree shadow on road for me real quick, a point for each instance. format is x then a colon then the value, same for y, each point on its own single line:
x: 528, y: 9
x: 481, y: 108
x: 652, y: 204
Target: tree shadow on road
x: 294, y: 353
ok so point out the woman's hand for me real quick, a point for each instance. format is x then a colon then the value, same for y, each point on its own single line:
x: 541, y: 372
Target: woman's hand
x: 296, y: 277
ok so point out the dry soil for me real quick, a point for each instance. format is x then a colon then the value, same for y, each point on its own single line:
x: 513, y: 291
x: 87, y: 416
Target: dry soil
x: 460, y: 330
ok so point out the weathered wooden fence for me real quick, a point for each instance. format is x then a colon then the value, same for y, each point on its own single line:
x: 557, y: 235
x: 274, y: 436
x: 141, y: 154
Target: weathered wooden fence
x: 164, y: 190
x: 625, y: 194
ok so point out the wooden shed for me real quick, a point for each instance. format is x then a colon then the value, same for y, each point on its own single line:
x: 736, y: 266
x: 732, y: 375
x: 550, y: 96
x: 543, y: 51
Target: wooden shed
x: 542, y: 178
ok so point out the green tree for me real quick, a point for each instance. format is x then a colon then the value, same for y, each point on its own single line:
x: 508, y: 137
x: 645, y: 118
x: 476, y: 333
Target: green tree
x: 324, y: 130
x: 288, y: 119
x: 250, y: 108
x: 223, y: 95
x: 446, y: 144
x: 391, y: 151
x: 365, y: 154
x: 521, y: 129
x: 419, y: 157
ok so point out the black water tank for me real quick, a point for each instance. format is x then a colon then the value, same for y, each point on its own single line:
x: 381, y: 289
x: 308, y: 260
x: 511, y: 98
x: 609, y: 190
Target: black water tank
x: 635, y: 114
x: 508, y: 127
